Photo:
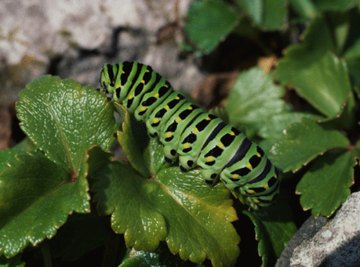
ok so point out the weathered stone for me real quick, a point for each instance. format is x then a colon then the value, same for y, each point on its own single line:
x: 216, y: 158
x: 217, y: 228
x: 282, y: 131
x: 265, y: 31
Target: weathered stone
x: 336, y: 243
x: 113, y: 30
x: 309, y: 228
x: 164, y: 58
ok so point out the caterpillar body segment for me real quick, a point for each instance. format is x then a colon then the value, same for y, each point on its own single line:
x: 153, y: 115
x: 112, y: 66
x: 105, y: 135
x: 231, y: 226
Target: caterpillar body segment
x: 162, y: 113
x: 192, y: 135
x: 193, y: 139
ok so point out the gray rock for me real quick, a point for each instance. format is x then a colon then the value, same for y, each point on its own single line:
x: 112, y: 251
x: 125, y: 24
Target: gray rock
x: 54, y: 34
x: 307, y: 231
x: 147, y: 15
x: 336, y: 243
x: 182, y: 74
x: 41, y: 28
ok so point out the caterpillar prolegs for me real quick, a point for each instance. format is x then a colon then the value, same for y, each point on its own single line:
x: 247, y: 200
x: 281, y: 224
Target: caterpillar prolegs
x: 192, y: 135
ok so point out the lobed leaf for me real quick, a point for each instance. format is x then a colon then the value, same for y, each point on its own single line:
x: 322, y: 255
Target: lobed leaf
x: 97, y: 160
x: 8, y: 154
x: 161, y: 257
x: 326, y: 185
x: 267, y: 14
x: 146, y: 259
x: 305, y: 8
x: 315, y: 72
x: 204, y: 15
x: 353, y: 52
x: 316, y: 42
x: 340, y: 23
x: 304, y: 141
x: 274, y: 15
x: 274, y: 226
x: 193, y: 218
x: 334, y: 5
x: 124, y: 196
x: 273, y: 129
x: 36, y: 197
x: 253, y: 8
x: 129, y: 143
x: 64, y: 119
x: 254, y: 99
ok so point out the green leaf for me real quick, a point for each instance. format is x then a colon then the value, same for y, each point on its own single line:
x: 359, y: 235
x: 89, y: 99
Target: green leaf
x: 5, y: 156
x: 64, y: 119
x: 356, y: 152
x: 160, y: 258
x: 97, y: 160
x: 253, y: 8
x: 304, y: 141
x: 340, y: 23
x: 254, y: 99
x: 154, y: 157
x: 205, y: 15
x: 317, y: 41
x: 274, y: 226
x: 305, y: 8
x: 354, y: 70
x: 316, y: 74
x: 267, y: 14
x: 278, y: 225
x: 274, y: 14
x: 193, y: 218
x: 142, y: 259
x: 36, y: 197
x: 124, y: 196
x: 129, y: 139
x: 334, y: 5
x: 144, y: 158
x: 326, y: 185
x: 324, y: 84
x: 8, y: 154
x: 353, y: 52
x: 352, y: 56
x: 273, y: 128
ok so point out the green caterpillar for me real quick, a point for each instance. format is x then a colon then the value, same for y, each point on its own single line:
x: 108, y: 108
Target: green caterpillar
x: 192, y: 135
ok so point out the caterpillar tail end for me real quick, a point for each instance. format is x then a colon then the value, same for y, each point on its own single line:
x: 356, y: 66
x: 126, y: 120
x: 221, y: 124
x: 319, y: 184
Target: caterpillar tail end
x: 257, y: 201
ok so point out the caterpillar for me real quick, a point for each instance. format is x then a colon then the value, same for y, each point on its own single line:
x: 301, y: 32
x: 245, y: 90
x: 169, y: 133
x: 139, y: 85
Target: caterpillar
x: 189, y: 134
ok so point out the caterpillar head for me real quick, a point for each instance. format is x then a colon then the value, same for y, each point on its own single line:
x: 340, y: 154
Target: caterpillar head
x: 108, y: 79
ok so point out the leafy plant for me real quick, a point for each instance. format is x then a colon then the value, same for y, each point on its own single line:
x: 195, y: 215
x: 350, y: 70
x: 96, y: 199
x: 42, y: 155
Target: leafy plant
x: 322, y: 78
x: 251, y: 18
x: 319, y: 136
x: 65, y: 192
x: 47, y: 177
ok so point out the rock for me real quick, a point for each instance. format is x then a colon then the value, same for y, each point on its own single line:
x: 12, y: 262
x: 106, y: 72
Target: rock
x: 55, y: 34
x: 182, y: 74
x: 307, y: 231
x: 336, y: 243
x: 147, y: 15
x: 41, y: 28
